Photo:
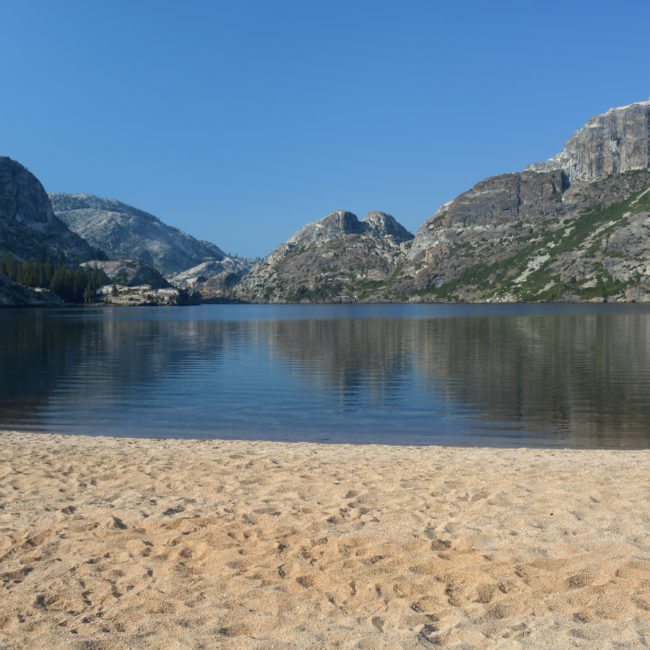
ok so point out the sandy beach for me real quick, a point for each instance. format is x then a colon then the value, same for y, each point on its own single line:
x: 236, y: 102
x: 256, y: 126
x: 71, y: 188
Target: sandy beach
x: 112, y: 543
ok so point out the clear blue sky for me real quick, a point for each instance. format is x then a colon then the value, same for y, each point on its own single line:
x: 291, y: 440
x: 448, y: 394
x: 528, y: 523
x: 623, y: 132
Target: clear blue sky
x: 239, y: 122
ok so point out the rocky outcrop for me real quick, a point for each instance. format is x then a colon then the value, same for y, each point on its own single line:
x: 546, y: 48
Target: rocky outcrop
x: 141, y: 295
x: 340, y: 223
x: 214, y: 279
x: 126, y: 233
x: 612, y: 143
x: 28, y: 227
x: 336, y: 259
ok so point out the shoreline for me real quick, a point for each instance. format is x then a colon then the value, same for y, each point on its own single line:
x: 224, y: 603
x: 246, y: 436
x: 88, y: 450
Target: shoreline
x: 177, y: 543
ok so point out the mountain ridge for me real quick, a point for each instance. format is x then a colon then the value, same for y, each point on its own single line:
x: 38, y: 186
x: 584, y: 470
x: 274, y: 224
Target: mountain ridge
x: 574, y: 228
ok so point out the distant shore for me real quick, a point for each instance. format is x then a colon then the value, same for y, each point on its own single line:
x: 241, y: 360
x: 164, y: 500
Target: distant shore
x: 173, y: 543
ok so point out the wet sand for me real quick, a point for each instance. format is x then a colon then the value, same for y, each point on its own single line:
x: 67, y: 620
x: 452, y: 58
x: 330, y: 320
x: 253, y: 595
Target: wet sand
x: 112, y: 543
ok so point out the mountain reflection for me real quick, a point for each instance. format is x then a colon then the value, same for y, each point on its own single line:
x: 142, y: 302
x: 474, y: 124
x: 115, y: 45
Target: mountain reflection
x: 95, y: 355
x: 588, y: 376
x: 579, y: 378
x: 351, y: 360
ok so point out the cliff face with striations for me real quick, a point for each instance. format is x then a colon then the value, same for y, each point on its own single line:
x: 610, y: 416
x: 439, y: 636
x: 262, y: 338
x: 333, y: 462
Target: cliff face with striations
x: 28, y: 227
x: 532, y: 236
x: 615, y: 142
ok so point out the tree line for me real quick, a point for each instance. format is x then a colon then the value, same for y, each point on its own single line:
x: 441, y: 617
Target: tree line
x: 73, y: 283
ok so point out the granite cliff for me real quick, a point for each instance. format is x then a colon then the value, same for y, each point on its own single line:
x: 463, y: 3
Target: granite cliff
x: 213, y: 279
x: 588, y: 241
x: 615, y: 142
x: 29, y: 228
x: 336, y: 259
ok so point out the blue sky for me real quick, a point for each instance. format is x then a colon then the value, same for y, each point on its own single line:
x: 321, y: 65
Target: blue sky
x: 239, y: 122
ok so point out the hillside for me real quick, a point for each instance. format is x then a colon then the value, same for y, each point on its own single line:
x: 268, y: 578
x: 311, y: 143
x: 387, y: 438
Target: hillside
x: 124, y: 232
x: 574, y: 228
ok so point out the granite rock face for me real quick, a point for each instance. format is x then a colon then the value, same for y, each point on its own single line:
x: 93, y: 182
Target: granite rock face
x: 588, y: 241
x: 126, y: 233
x: 28, y: 227
x: 615, y: 142
x: 213, y: 279
x: 336, y: 259
x: 141, y: 295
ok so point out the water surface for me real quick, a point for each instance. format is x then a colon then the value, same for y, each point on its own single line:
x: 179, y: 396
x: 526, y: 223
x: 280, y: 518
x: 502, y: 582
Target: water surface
x: 569, y: 375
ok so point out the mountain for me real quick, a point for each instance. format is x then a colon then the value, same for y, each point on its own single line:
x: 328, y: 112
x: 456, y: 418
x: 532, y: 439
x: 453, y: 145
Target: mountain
x: 29, y: 230
x: 132, y: 235
x: 338, y: 258
x: 531, y: 237
x: 124, y: 232
x: 573, y: 228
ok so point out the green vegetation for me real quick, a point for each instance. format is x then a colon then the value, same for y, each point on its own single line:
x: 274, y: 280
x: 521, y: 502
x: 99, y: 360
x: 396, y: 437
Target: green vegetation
x: 323, y: 293
x: 74, y: 284
x: 588, y: 232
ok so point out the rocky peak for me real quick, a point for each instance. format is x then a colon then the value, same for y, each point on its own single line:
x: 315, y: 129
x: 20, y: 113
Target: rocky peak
x: 335, y: 224
x: 611, y: 143
x: 341, y: 222
x: 385, y: 225
x: 337, y: 258
x: 22, y: 197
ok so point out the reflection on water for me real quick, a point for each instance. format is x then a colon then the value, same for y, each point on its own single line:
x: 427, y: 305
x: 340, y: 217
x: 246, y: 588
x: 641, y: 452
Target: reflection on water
x: 544, y: 375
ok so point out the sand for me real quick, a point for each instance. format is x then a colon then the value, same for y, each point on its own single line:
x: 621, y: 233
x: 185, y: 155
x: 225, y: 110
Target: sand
x: 113, y: 543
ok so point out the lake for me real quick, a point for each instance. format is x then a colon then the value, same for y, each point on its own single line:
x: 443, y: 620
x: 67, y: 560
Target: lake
x: 542, y: 375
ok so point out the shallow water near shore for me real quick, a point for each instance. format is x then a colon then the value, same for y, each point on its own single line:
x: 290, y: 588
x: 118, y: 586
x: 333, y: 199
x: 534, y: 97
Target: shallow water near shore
x: 496, y: 375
